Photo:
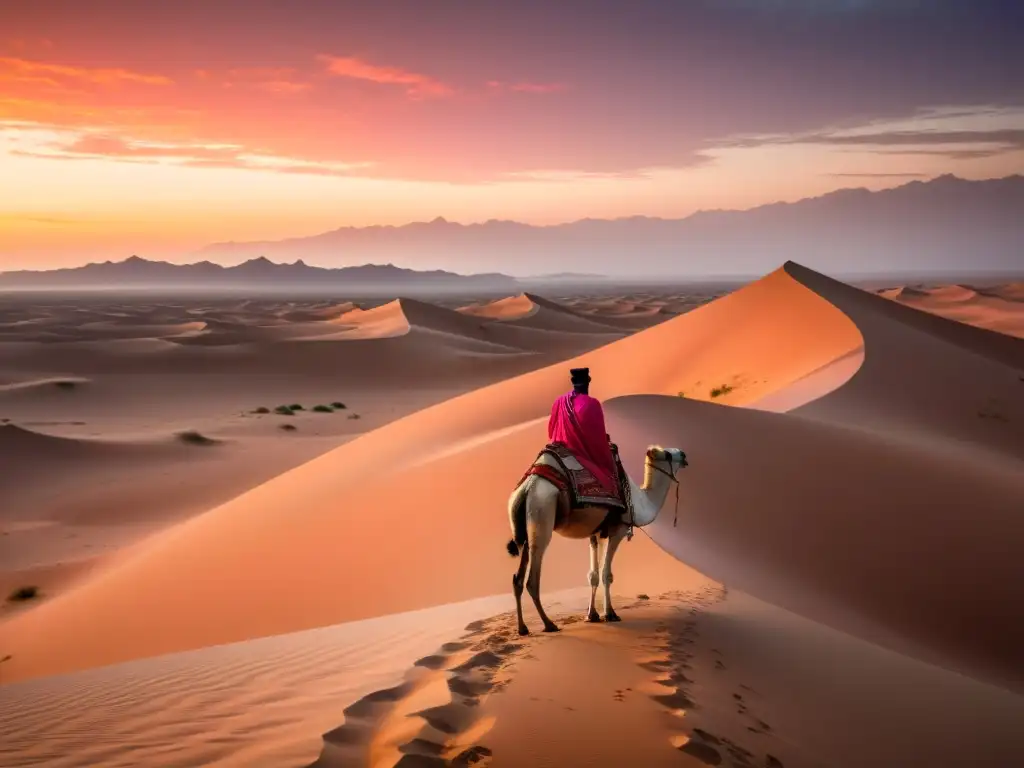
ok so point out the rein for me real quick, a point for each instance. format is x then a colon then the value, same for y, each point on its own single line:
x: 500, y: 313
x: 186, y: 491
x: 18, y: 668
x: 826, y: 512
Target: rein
x: 671, y: 476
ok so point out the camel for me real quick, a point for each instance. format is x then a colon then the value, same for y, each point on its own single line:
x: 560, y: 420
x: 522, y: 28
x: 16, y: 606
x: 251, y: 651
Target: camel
x: 532, y: 512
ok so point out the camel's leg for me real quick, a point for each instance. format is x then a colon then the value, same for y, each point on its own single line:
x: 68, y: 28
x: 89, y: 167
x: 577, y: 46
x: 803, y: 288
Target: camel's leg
x: 540, y: 526
x: 615, y: 538
x: 518, y: 581
x: 594, y: 577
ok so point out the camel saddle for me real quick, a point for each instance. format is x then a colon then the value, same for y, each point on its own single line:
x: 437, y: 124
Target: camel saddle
x: 579, y: 488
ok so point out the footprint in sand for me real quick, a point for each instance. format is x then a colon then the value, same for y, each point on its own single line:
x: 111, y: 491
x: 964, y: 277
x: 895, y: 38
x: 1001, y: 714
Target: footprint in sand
x: 468, y: 669
x: 703, y: 752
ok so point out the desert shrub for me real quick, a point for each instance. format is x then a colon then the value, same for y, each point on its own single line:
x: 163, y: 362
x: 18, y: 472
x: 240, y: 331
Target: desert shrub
x: 338, y: 406
x: 353, y: 415
x: 21, y: 594
x: 296, y: 407
x: 287, y: 427
x: 192, y: 437
x: 323, y: 409
x: 284, y: 410
x: 722, y: 390
x: 262, y: 409
x: 682, y: 394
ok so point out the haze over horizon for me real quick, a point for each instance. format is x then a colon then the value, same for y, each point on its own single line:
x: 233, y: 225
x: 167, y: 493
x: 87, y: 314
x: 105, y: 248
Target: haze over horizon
x: 252, y: 121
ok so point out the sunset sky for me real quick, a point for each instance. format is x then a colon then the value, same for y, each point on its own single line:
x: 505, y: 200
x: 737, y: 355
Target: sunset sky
x: 156, y: 128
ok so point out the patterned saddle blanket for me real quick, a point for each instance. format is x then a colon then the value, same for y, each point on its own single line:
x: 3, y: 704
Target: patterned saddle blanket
x: 556, y: 464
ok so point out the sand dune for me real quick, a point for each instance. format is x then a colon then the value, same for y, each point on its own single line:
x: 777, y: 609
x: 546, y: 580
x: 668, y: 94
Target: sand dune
x: 530, y: 311
x: 702, y: 676
x: 252, y: 555
x: 111, y: 396
x: 698, y: 670
x: 509, y: 308
x: 995, y: 308
x: 869, y: 483
x: 928, y: 435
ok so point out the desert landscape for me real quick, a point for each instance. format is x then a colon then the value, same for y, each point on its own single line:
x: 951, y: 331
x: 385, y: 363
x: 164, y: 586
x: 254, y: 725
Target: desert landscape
x: 512, y: 385
x: 121, y: 416
x: 267, y: 532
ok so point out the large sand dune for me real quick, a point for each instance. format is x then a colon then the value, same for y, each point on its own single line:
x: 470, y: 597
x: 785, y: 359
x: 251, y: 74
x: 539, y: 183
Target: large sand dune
x: 880, y: 498
x: 306, y: 532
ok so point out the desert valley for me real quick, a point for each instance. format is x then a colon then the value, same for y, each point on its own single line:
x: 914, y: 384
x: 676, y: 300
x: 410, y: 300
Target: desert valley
x: 270, y: 532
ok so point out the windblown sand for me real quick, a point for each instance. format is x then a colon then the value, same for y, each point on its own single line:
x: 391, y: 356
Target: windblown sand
x: 856, y: 470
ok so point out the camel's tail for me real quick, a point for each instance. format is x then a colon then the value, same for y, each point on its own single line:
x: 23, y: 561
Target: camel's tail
x: 517, y: 516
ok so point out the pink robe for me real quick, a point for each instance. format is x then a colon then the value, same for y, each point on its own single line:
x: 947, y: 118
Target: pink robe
x: 577, y: 421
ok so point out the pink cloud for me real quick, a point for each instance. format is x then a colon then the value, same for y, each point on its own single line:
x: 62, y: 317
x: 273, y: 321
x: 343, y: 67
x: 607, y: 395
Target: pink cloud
x: 108, y: 147
x: 416, y: 84
x: 11, y: 68
x: 298, y: 167
x: 277, y: 80
x: 112, y: 146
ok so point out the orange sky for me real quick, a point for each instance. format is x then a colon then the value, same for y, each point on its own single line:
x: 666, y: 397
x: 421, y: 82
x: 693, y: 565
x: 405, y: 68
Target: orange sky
x: 127, y: 130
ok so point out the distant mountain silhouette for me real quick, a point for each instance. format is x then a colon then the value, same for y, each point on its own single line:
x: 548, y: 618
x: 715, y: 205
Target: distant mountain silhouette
x: 946, y: 223
x: 255, y: 273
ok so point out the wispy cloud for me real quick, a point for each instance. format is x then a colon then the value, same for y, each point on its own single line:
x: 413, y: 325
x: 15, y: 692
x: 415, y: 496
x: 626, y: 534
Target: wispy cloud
x: 279, y: 80
x: 415, y: 83
x: 115, y: 148
x: 949, y: 154
x: 15, y: 68
x: 50, y: 221
x: 1011, y: 138
x: 280, y: 165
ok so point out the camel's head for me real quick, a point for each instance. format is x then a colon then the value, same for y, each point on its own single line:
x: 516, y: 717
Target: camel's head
x: 674, y: 457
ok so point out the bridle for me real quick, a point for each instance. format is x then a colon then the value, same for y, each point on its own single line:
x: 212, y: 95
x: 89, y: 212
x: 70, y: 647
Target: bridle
x: 671, y: 475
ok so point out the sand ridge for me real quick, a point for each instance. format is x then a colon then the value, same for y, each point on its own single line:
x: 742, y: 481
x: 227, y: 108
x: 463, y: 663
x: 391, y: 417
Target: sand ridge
x: 255, y: 551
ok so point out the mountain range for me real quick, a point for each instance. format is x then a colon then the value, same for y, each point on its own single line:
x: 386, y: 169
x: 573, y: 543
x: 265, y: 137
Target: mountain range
x: 944, y: 225
x: 259, y: 273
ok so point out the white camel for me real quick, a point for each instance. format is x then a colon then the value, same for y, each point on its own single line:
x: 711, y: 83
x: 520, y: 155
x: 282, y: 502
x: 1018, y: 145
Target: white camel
x: 538, y: 508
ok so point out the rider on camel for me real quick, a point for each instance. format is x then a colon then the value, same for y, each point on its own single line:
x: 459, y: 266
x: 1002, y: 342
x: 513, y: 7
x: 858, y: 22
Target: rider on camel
x: 577, y: 422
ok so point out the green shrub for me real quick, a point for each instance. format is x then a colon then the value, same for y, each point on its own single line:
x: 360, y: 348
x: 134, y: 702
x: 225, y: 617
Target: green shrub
x: 722, y: 390
x: 323, y: 409
x: 338, y: 406
x: 262, y: 409
x: 21, y: 594
x: 284, y: 410
x: 296, y: 407
x: 193, y: 437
